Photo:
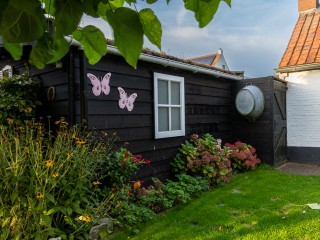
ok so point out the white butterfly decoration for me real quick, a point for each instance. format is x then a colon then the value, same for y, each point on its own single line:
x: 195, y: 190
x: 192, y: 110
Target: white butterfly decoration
x: 100, y: 86
x: 125, y: 100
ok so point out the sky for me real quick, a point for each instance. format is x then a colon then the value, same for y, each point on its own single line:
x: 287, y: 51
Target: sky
x: 252, y: 33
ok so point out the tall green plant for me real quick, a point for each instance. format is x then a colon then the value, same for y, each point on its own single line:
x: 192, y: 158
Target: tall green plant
x: 50, y: 185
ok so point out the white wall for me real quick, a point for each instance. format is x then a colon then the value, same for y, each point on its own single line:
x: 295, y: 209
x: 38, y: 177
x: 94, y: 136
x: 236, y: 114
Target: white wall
x: 303, y: 109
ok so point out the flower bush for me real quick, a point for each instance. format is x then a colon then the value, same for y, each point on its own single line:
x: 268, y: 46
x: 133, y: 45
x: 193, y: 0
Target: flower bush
x: 242, y: 156
x: 122, y: 167
x: 18, y: 99
x: 203, y: 156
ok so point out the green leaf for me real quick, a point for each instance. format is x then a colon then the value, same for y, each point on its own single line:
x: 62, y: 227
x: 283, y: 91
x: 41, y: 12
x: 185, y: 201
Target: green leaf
x: 67, y: 17
x: 48, y: 50
x: 40, y: 54
x: 47, y: 220
x: 50, y: 7
x: 116, y: 3
x: 5, y: 233
x: 59, y: 49
x: 131, y: 1
x: 51, y: 211
x: 50, y: 198
x: 22, y: 21
x: 93, y: 42
x: 69, y: 211
x: 69, y: 221
x: 91, y: 7
x: 128, y: 33
x: 151, y: 26
x: 5, y: 222
x: 3, y: 6
x: 151, y: 1
x: 204, y: 10
x: 228, y: 2
x: 15, y: 49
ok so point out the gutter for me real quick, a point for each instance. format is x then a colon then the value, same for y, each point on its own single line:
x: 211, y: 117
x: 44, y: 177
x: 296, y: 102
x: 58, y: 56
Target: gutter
x: 168, y: 62
x: 298, y: 68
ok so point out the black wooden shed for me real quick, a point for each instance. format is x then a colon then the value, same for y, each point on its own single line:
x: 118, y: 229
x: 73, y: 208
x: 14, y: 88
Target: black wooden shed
x: 157, y: 106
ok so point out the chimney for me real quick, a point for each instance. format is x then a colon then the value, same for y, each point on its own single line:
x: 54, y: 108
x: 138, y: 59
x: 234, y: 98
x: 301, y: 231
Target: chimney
x: 305, y: 5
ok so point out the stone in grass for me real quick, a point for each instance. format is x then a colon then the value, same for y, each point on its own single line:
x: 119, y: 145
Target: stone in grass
x: 104, y: 224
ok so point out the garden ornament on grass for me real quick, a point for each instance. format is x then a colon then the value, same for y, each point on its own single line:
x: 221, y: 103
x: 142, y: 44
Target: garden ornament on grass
x: 314, y: 206
x: 104, y: 224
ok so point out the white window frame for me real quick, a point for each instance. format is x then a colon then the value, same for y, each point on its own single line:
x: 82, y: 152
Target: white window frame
x: 169, y: 79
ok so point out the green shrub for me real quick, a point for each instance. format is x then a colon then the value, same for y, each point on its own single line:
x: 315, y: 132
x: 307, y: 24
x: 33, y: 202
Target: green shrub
x: 18, y: 99
x: 161, y: 196
x: 242, y: 156
x: 181, y: 191
x: 202, y: 156
x: 135, y: 205
x: 126, y: 213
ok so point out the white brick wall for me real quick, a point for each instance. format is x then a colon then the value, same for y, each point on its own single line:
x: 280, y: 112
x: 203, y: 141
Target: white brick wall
x: 303, y: 109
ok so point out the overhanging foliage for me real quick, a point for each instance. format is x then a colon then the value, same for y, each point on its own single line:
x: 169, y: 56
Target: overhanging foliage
x: 24, y: 21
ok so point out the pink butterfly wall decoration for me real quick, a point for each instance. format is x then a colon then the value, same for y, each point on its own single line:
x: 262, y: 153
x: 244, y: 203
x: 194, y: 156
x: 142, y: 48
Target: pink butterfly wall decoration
x: 125, y: 100
x: 100, y: 86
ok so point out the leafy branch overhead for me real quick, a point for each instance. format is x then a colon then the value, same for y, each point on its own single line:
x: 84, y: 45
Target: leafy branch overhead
x: 25, y: 21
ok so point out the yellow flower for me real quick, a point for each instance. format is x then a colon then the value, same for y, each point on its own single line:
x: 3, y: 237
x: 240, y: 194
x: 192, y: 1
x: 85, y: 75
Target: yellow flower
x: 39, y: 196
x: 10, y: 121
x: 69, y: 155
x: 137, y: 184
x: 61, y: 121
x: 96, y: 183
x: 49, y: 163
x: 28, y: 110
x: 81, y: 142
x: 55, y: 175
x: 84, y: 218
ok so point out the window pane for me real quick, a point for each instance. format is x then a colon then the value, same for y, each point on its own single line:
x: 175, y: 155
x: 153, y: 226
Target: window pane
x: 175, y: 119
x: 175, y: 93
x: 163, y: 119
x: 163, y: 92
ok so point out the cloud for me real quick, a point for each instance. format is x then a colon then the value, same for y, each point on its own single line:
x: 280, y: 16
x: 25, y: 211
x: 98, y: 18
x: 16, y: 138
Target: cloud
x: 99, y: 23
x: 181, y: 16
x: 253, y: 34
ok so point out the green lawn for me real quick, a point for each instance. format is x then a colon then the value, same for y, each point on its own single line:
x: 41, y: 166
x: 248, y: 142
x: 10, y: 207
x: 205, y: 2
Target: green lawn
x: 262, y: 204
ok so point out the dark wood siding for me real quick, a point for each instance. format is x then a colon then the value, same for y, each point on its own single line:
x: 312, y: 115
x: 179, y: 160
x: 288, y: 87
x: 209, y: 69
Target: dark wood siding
x: 259, y: 133
x: 207, y: 100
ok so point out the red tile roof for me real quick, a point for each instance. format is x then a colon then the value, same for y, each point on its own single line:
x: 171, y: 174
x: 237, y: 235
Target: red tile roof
x: 303, y: 47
